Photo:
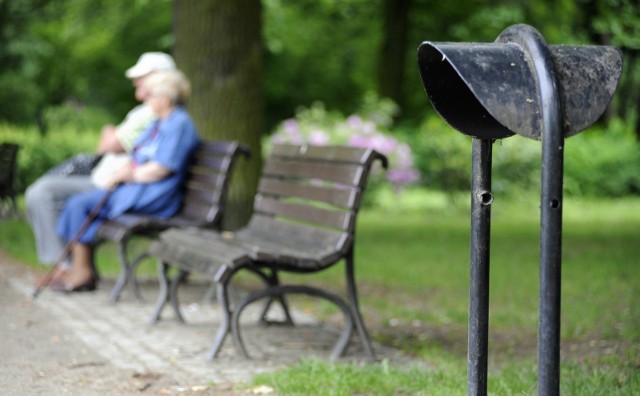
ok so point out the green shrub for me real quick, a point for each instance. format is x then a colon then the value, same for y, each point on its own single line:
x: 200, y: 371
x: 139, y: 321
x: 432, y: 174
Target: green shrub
x: 442, y: 155
x: 516, y: 165
x: 75, y: 116
x: 39, y: 153
x: 602, y: 161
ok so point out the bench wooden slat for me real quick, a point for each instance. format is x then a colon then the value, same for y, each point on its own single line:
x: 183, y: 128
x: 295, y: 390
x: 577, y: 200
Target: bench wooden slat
x: 219, y: 163
x: 347, y: 174
x: 201, y: 260
x: 205, y: 180
x: 201, y: 195
x: 264, y: 247
x: 300, y: 233
x: 341, y: 220
x: 218, y: 147
x: 199, y: 214
x: 343, y: 197
x: 326, y: 153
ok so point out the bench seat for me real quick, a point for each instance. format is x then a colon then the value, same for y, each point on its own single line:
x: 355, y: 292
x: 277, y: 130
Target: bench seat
x: 203, y: 206
x: 304, y: 222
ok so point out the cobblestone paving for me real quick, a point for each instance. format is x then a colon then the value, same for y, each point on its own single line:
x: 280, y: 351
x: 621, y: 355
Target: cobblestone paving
x: 169, y: 355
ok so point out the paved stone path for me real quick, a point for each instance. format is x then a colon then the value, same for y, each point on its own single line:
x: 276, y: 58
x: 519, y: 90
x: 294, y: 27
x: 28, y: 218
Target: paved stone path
x: 115, y: 340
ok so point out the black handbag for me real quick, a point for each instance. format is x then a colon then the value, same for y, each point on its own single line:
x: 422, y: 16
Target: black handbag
x: 78, y: 165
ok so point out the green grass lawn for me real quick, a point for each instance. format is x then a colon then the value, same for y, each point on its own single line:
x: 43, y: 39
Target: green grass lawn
x: 412, y: 264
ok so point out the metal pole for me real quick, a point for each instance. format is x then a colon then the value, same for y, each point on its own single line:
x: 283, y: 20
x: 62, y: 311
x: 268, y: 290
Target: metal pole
x: 481, y: 199
x: 550, y: 263
x: 550, y: 217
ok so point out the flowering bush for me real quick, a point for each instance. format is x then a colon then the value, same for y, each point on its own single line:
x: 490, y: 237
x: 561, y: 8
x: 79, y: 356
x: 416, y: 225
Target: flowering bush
x: 369, y: 128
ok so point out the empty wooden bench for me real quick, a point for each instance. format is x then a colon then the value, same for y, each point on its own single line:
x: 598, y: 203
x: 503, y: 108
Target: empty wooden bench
x: 204, y: 199
x: 304, y: 221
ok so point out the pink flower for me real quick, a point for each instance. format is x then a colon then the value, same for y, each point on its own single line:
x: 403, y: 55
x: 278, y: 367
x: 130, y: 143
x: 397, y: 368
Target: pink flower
x: 318, y: 137
x: 403, y: 176
x: 291, y: 126
x: 354, y: 131
x: 403, y: 156
x: 290, y: 133
x: 359, y: 141
x: 383, y: 144
x: 354, y: 121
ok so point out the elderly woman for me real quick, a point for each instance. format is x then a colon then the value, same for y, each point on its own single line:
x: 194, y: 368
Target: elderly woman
x: 149, y: 184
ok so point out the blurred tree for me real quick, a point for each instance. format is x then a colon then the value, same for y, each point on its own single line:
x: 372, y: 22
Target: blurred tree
x: 577, y: 22
x: 52, y: 52
x: 617, y: 22
x: 334, y: 51
x: 218, y: 45
x: 391, y: 65
x: 475, y: 21
x: 19, y: 53
x: 93, y: 42
x: 320, y: 51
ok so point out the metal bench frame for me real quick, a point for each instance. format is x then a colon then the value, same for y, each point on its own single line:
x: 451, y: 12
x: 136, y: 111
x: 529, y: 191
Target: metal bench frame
x: 204, y: 200
x: 303, y: 222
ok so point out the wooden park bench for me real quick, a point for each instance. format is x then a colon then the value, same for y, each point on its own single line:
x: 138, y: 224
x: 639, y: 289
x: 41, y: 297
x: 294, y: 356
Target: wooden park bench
x: 303, y: 222
x: 8, y: 166
x: 204, y: 199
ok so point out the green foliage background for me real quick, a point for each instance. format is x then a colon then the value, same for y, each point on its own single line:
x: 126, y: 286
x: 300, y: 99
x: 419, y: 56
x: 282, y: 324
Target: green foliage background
x: 61, y: 78
x: 315, y: 50
x: 52, y: 52
x: 62, y: 65
x: 599, y: 162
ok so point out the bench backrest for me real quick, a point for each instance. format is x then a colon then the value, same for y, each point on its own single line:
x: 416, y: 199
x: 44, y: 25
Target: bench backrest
x: 208, y: 181
x: 312, y: 194
x: 8, y: 156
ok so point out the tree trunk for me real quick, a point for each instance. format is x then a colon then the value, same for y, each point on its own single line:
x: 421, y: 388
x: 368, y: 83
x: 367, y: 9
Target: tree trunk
x: 218, y: 46
x: 393, y: 51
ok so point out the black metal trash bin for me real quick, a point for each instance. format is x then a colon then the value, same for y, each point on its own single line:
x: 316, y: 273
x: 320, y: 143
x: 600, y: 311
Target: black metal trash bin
x: 518, y: 85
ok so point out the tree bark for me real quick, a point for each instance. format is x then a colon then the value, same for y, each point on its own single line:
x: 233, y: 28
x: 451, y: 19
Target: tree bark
x: 218, y: 46
x: 393, y: 52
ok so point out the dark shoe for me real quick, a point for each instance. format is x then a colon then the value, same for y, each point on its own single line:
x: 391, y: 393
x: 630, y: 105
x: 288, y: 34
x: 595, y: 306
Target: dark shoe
x: 64, y: 287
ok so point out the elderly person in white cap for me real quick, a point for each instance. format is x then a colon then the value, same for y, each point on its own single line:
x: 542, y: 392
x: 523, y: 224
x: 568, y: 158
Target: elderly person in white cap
x: 45, y: 198
x: 120, y: 138
x: 149, y: 183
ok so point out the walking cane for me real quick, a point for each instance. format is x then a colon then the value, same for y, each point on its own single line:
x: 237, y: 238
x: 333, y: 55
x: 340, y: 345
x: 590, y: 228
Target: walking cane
x: 67, y: 249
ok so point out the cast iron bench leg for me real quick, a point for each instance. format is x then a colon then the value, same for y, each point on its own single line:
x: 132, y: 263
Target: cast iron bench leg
x: 122, y: 277
x: 340, y: 346
x: 353, y: 298
x: 127, y: 273
x: 173, y: 293
x: 222, y: 290
x: 273, y: 281
x: 163, y: 295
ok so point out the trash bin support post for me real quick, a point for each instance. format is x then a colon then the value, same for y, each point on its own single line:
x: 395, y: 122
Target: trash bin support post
x: 481, y: 199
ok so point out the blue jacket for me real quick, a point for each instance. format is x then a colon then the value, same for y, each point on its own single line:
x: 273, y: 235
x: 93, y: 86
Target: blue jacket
x: 169, y: 142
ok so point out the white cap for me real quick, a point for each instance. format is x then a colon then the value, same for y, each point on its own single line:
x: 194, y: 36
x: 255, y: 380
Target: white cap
x: 150, y: 62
